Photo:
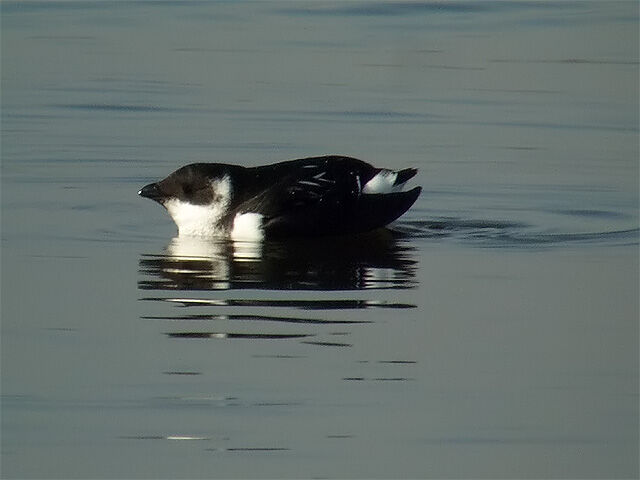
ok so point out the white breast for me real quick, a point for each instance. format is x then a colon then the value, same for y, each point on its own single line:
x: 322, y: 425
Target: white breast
x: 196, y: 220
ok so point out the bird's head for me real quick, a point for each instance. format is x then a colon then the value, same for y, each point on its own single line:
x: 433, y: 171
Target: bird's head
x: 197, y: 197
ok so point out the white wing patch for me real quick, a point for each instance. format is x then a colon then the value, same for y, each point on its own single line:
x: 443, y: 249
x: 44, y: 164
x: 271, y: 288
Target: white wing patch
x: 309, y: 183
x: 312, y: 187
x: 317, y: 180
x: 383, y: 182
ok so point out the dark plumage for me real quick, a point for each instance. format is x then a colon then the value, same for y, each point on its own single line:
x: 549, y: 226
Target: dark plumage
x: 313, y: 196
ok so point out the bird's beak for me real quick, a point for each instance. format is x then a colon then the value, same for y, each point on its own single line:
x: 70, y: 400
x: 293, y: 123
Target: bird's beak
x: 151, y: 191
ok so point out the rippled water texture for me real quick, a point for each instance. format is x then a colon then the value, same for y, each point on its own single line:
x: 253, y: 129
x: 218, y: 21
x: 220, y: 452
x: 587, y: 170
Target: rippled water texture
x: 491, y: 332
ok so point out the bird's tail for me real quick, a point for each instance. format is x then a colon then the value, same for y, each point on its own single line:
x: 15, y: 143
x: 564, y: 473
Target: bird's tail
x: 404, y: 175
x: 388, y: 181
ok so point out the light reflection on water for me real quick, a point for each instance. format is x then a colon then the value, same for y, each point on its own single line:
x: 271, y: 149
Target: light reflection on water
x: 240, y: 276
x: 372, y: 261
x: 230, y: 292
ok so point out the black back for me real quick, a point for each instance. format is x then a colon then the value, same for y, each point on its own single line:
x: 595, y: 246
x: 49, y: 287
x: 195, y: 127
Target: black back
x: 318, y: 196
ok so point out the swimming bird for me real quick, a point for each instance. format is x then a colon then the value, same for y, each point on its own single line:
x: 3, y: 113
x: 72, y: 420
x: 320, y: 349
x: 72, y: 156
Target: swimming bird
x: 328, y: 195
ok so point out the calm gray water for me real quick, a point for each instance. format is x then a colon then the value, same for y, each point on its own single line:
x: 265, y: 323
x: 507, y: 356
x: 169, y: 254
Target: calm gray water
x: 493, y: 332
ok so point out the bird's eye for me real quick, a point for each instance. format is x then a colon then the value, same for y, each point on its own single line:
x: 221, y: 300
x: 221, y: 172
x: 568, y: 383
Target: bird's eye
x: 187, y: 190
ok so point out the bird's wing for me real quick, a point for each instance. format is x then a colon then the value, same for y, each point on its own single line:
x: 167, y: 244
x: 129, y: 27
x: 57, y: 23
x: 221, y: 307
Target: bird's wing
x: 318, y: 187
x: 306, y: 198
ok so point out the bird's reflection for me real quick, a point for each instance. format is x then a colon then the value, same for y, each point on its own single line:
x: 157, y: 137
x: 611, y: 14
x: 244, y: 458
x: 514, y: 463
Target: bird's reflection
x: 375, y: 260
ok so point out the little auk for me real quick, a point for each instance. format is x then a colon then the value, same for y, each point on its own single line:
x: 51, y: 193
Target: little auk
x: 328, y: 195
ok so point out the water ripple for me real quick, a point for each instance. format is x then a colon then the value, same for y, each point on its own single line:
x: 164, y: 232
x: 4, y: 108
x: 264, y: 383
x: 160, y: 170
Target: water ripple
x: 491, y: 233
x: 311, y: 304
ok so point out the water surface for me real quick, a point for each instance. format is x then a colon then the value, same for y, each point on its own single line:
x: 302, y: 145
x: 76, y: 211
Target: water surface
x: 492, y: 332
